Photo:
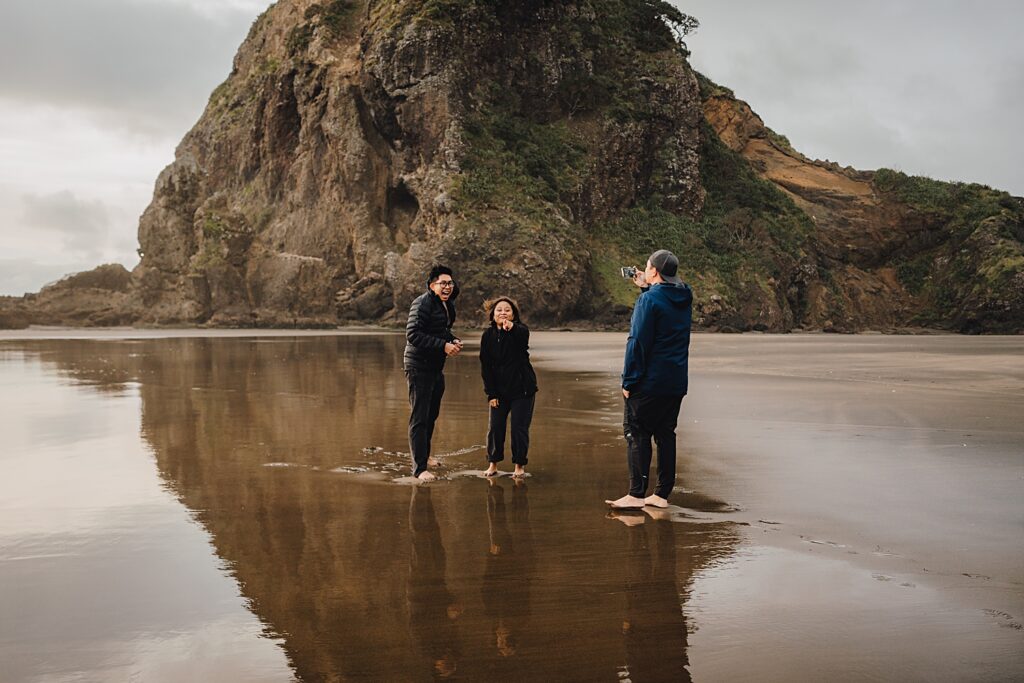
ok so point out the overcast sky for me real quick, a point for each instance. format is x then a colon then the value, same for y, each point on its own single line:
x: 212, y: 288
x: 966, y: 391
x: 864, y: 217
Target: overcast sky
x: 95, y: 94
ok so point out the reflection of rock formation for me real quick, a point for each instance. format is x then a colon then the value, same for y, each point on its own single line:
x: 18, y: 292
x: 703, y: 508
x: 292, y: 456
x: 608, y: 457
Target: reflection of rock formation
x: 433, y: 609
x: 335, y: 565
x: 654, y: 627
x: 508, y: 572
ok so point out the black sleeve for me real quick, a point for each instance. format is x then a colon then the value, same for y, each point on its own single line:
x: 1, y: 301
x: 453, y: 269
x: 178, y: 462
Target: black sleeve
x: 486, y: 367
x: 521, y: 336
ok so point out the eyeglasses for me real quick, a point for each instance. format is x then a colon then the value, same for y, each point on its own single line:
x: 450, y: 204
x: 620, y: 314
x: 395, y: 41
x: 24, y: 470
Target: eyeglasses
x: 446, y: 284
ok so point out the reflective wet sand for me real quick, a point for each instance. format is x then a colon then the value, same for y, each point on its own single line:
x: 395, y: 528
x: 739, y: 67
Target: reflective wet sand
x: 204, y: 508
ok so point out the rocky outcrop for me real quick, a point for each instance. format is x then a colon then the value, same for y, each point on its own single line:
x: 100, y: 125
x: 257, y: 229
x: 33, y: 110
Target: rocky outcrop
x: 534, y: 147
x: 898, y: 251
x: 98, y: 297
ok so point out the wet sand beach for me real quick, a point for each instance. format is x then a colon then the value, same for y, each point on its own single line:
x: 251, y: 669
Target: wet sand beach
x: 205, y: 505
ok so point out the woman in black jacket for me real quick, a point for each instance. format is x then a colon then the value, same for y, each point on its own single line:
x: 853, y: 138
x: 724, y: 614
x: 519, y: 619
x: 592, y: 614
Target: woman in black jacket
x: 510, y: 383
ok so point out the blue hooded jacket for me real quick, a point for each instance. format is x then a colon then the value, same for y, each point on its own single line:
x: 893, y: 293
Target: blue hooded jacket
x: 657, y: 353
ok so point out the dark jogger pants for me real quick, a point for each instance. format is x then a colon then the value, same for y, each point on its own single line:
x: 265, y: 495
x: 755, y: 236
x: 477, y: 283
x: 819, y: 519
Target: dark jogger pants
x: 521, y: 410
x: 645, y: 417
x: 425, y: 392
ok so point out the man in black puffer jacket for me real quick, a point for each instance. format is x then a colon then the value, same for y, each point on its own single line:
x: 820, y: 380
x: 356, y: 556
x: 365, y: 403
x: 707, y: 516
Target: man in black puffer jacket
x: 429, y: 342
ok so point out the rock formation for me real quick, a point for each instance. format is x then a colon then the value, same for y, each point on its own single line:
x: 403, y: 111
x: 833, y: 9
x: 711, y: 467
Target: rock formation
x: 533, y: 146
x: 897, y: 250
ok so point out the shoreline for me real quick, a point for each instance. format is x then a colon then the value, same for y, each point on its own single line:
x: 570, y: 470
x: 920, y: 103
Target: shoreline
x: 156, y: 332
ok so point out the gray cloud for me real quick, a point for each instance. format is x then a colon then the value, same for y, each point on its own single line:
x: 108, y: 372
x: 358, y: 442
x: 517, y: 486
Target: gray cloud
x: 931, y: 88
x: 82, y: 226
x: 21, y: 277
x: 144, y: 66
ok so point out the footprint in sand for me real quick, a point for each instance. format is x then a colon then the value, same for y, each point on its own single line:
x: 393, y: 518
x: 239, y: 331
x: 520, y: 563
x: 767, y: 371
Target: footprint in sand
x: 1006, y: 620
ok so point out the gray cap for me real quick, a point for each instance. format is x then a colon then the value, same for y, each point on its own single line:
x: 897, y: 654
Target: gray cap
x: 666, y: 263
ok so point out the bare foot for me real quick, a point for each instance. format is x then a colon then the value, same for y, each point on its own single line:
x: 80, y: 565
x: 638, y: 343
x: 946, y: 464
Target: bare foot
x: 492, y: 470
x: 656, y: 501
x: 426, y: 475
x: 520, y: 471
x: 433, y: 462
x: 627, y: 502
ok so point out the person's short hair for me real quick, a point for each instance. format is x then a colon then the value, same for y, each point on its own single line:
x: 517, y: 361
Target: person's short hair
x: 437, y: 271
x: 489, y: 306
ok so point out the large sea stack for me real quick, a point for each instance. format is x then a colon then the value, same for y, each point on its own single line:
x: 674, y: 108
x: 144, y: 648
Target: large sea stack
x: 535, y: 146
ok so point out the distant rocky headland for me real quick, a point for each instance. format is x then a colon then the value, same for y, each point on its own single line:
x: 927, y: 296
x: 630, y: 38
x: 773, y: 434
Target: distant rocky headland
x: 534, y: 146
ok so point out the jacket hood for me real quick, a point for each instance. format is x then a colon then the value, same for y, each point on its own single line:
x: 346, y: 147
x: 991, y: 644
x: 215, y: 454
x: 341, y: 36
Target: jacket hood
x: 679, y: 295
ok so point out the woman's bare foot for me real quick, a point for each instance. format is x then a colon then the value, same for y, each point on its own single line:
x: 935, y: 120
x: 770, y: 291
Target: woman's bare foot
x: 520, y: 471
x: 432, y: 461
x: 491, y: 470
x: 656, y: 501
x: 426, y: 475
x: 627, y: 502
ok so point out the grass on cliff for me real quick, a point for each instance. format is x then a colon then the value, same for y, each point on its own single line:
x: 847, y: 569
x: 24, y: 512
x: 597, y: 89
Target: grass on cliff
x: 511, y: 158
x: 964, y: 205
x: 749, y: 229
x: 970, y: 213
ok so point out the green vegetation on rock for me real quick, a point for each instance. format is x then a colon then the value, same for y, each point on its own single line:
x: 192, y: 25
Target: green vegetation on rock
x: 749, y: 230
x: 336, y: 18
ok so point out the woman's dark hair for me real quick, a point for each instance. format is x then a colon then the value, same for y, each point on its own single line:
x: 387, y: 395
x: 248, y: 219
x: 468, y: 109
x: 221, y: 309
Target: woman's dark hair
x: 489, y: 306
x: 437, y: 271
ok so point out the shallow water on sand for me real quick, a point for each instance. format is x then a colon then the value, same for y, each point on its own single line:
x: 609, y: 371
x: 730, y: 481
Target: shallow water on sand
x: 239, y: 509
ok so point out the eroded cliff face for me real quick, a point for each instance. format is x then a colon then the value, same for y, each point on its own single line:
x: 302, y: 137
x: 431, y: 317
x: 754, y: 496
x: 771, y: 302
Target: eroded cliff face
x: 285, y: 190
x: 328, y: 172
x: 535, y: 147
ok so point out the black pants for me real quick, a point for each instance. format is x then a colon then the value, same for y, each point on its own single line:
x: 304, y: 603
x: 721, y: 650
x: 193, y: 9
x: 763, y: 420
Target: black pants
x: 645, y: 417
x: 425, y: 391
x: 521, y: 410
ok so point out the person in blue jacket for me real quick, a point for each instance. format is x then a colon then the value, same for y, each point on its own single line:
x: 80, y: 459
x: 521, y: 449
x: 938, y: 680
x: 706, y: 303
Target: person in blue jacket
x: 654, y: 378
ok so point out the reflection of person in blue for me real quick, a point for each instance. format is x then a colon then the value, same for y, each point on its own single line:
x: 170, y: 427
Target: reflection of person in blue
x: 508, y: 572
x: 433, y: 610
x: 654, y: 627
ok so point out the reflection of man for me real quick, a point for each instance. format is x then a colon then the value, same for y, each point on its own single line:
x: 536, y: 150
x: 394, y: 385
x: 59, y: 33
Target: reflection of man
x: 429, y: 341
x: 433, y: 610
x: 654, y: 627
x: 654, y: 378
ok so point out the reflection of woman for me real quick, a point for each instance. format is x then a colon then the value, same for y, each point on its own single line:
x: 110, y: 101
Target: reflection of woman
x: 510, y: 383
x: 508, y: 571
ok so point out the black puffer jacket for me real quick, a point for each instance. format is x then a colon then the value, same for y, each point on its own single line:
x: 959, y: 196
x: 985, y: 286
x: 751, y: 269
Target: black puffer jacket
x: 428, y: 330
x: 505, y: 363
